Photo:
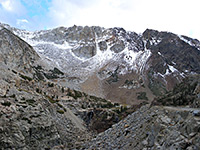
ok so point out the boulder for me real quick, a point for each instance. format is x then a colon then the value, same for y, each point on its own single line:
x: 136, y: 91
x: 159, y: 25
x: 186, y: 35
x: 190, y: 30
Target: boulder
x: 118, y: 47
x: 102, y: 45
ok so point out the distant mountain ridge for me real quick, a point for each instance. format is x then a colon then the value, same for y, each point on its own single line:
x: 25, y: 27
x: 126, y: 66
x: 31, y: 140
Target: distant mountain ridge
x: 116, y: 60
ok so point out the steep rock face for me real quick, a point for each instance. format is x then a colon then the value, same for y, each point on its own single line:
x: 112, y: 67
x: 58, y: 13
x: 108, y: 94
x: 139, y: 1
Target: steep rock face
x: 85, y: 36
x: 14, y: 52
x: 175, y: 50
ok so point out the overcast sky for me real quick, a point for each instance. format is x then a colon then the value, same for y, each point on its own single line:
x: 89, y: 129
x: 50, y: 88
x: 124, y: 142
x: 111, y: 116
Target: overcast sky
x: 177, y: 16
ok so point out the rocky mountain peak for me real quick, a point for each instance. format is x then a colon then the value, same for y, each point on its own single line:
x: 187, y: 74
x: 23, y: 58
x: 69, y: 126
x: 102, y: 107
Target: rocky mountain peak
x: 175, y: 50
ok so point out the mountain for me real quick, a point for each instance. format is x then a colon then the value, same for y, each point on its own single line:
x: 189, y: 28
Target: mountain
x: 36, y: 113
x: 151, y: 81
x: 115, y: 64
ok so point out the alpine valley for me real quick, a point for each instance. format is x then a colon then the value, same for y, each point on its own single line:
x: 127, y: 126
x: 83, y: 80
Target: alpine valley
x: 97, y: 88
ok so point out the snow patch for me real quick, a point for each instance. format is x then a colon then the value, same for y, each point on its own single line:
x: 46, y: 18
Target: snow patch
x: 186, y: 71
x: 79, y: 58
x: 65, y: 45
x: 100, y: 58
x: 172, y: 68
x: 170, y: 71
x: 135, y: 60
x: 173, y: 63
x: 182, y: 74
x: 155, y: 41
x: 130, y: 56
x: 167, y: 72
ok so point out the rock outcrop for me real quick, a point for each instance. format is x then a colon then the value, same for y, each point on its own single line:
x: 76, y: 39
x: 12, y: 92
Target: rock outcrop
x: 16, y: 53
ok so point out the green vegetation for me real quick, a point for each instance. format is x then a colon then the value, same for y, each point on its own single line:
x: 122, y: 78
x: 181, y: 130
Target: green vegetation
x: 128, y: 82
x: 12, y: 96
x: 15, y: 72
x: 123, y: 108
x: 3, y: 96
x: 182, y: 94
x: 107, y: 105
x: 57, y: 71
x: 50, y: 84
x: 6, y: 104
x: 142, y: 96
x: 62, y: 90
x: 30, y: 101
x: 98, y: 99
x: 38, y: 67
x: 38, y: 75
x: 53, y: 74
x: 25, y: 77
x: 51, y: 100
x: 24, y: 90
x: 69, y: 92
x: 61, y: 106
x: 38, y: 90
x: 27, y: 119
x: 60, y: 111
x: 75, y: 94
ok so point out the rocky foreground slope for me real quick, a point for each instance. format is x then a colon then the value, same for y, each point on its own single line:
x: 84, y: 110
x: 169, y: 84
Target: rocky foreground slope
x: 157, y: 128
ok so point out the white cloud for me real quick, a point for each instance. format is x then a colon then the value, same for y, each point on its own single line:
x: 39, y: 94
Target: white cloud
x: 13, y: 6
x: 178, y: 16
x: 10, y: 10
x: 7, y: 5
x: 22, y: 23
